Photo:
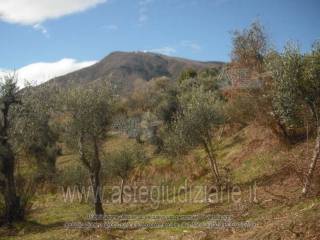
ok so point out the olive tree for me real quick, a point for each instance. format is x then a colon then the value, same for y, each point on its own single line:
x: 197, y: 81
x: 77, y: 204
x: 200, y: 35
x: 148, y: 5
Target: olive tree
x: 253, y: 89
x: 297, y: 89
x: 89, y: 112
x: 200, y: 114
x: 310, y: 91
x: 8, y: 99
x: 157, y: 101
x: 120, y: 163
x: 36, y: 133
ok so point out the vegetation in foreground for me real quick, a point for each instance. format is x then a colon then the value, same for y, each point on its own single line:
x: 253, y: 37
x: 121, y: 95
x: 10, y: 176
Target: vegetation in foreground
x: 252, y: 125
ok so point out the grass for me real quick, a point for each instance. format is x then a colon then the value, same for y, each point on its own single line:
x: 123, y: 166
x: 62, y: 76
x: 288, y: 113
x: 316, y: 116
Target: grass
x: 249, y: 159
x: 254, y: 167
x: 161, y: 161
x: 46, y: 221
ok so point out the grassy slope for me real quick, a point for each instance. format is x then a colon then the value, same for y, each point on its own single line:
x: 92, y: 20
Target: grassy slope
x: 252, y: 154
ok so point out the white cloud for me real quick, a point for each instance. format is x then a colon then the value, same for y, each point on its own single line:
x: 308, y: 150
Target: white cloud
x: 191, y: 45
x: 42, y: 29
x: 41, y: 72
x: 164, y: 50
x: 32, y: 12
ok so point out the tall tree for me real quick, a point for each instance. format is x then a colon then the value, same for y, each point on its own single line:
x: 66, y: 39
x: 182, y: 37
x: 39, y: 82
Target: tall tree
x: 310, y: 91
x: 297, y: 89
x: 8, y: 98
x: 89, y: 112
x: 35, y: 131
x: 200, y: 114
x: 252, y: 88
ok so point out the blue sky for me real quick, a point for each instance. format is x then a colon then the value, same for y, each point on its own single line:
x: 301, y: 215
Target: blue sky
x: 69, y: 34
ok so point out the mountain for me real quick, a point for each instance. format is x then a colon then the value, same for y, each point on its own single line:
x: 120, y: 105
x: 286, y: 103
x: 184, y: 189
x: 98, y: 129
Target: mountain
x: 123, y: 68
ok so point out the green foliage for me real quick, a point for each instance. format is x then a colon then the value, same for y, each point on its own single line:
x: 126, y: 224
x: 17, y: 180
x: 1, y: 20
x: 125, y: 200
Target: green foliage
x: 201, y: 112
x: 88, y: 113
x: 296, y: 87
x: 14, y: 207
x: 8, y: 90
x: 147, y: 95
x: 286, y: 70
x: 279, y: 101
x: 187, y: 74
x: 163, y: 99
x: 9, y: 98
x: 34, y: 131
x: 208, y: 79
x: 73, y: 176
x: 120, y: 163
x: 310, y: 84
x: 158, y: 104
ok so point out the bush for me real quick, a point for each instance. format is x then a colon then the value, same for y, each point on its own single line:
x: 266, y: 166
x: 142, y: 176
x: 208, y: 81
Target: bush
x: 73, y: 176
x: 120, y: 163
x: 27, y: 187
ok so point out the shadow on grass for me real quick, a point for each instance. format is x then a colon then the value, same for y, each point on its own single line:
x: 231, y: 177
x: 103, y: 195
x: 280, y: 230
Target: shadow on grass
x: 28, y: 227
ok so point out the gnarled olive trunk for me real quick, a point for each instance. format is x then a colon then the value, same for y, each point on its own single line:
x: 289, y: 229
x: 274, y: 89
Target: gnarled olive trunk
x: 94, y: 168
x: 12, y: 201
x: 95, y: 178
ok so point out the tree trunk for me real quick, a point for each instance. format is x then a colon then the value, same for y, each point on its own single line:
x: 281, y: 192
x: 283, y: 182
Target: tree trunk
x: 121, y: 190
x: 214, y: 169
x: 95, y: 179
x: 212, y: 162
x: 82, y: 156
x: 97, y: 193
x: 94, y: 168
x: 12, y: 201
x: 315, y: 158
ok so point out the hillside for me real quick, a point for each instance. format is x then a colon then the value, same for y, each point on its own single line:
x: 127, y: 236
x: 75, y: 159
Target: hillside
x: 255, y: 157
x: 123, y: 68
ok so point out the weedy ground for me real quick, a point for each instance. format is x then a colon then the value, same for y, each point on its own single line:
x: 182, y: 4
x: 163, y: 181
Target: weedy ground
x: 249, y: 157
